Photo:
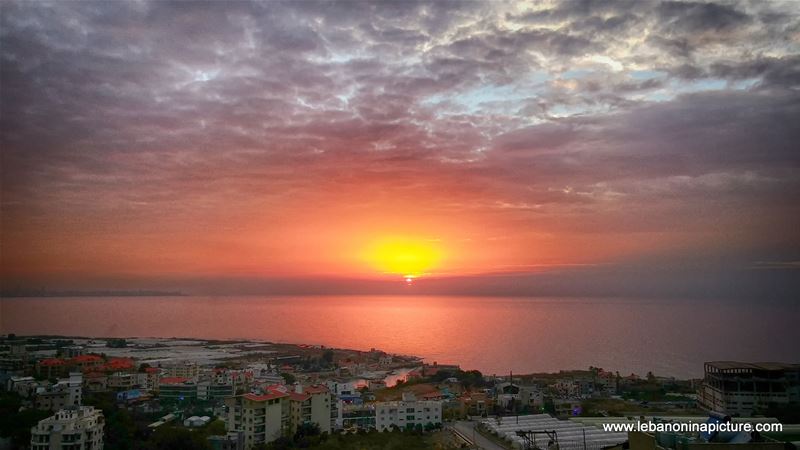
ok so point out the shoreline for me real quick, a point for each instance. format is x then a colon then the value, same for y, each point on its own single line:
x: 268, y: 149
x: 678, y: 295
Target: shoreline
x: 254, y: 347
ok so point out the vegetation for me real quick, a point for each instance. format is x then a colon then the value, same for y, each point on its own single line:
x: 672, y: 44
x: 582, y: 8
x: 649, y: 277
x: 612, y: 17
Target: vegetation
x: 116, y: 343
x: 16, y: 424
x: 327, y: 356
x: 289, y: 378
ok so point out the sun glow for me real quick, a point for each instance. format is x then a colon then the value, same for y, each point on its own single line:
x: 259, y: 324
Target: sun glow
x: 410, y: 258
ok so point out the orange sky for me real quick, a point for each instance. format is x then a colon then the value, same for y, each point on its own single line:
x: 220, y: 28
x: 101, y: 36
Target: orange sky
x: 147, y: 144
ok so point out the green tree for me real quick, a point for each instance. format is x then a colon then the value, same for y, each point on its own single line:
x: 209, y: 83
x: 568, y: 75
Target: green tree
x: 289, y: 378
x: 174, y: 438
x: 327, y: 356
x: 15, y: 423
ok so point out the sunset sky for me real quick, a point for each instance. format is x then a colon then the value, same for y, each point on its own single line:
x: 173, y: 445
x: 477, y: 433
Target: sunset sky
x: 487, y: 147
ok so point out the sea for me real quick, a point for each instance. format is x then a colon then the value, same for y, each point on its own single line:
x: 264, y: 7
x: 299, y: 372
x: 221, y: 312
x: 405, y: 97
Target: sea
x: 496, y: 335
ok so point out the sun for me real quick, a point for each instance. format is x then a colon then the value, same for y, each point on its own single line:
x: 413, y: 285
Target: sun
x: 407, y: 257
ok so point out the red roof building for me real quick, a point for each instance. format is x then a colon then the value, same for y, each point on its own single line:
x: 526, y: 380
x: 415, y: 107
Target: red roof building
x: 87, y: 360
x: 173, y: 380
x: 316, y: 389
x: 119, y: 364
x: 52, y: 362
x: 272, y: 395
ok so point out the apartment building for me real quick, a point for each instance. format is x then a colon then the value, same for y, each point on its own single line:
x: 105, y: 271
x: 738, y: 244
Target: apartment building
x: 66, y: 393
x: 742, y: 388
x: 310, y: 404
x: 177, y: 389
x: 73, y: 428
x: 182, y: 369
x: 210, y: 391
x: 407, y: 413
x: 261, y: 418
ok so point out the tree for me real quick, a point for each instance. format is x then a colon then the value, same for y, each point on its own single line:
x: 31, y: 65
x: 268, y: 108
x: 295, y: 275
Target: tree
x: 289, y: 378
x: 305, y: 430
x: 327, y: 356
x: 16, y: 424
x: 174, y: 438
x: 116, y: 343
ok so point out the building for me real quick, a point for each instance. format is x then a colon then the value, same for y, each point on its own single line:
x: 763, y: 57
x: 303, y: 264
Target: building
x: 407, y: 413
x: 354, y: 417
x: 196, y: 421
x: 261, y: 418
x: 66, y: 393
x: 23, y: 386
x: 234, y: 440
x: 74, y: 428
x: 95, y: 381
x: 347, y: 387
x: 122, y: 380
x: 514, y: 397
x: 742, y: 388
x: 177, y: 389
x: 85, y: 363
x: 184, y: 370
x: 73, y: 351
x: 264, y: 417
x: 310, y: 404
x: 152, y: 377
x: 211, y: 391
x: 51, y: 367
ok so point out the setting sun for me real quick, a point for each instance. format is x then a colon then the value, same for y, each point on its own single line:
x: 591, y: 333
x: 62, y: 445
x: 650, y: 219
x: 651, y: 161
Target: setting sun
x: 409, y: 258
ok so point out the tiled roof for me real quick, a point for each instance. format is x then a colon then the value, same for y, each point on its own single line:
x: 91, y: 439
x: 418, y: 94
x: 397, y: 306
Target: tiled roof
x: 316, y: 389
x: 119, y: 364
x: 51, y: 362
x: 264, y: 397
x: 87, y: 358
x: 299, y: 397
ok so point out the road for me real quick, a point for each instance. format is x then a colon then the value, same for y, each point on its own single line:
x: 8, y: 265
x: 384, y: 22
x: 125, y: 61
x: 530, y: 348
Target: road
x: 467, y: 429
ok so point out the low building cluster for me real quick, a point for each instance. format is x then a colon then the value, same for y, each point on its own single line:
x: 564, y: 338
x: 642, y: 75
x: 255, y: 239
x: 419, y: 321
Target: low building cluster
x: 261, y: 395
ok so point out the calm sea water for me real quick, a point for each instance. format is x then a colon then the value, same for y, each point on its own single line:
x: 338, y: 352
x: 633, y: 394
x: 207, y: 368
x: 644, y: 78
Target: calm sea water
x: 494, y: 335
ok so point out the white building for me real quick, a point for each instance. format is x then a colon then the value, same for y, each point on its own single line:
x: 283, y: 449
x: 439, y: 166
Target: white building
x: 75, y: 428
x: 345, y: 387
x: 196, y: 421
x: 66, y: 393
x: 407, y: 413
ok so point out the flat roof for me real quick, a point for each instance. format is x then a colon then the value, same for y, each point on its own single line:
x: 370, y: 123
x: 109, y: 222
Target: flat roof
x: 725, y: 365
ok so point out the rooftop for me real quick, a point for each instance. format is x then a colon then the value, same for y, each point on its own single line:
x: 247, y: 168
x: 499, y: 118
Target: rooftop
x: 299, y: 397
x: 727, y: 365
x: 87, y: 358
x: 272, y: 395
x: 51, y: 362
x: 316, y: 389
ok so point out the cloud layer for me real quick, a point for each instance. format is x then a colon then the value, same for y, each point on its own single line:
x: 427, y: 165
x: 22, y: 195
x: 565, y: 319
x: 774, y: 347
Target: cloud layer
x: 159, y: 139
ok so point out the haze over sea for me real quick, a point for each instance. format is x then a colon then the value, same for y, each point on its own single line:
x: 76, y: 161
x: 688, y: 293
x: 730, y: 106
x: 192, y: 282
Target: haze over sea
x: 670, y: 337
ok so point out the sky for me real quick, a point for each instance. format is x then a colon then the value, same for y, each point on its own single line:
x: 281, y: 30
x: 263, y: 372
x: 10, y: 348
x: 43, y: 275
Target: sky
x: 575, y: 148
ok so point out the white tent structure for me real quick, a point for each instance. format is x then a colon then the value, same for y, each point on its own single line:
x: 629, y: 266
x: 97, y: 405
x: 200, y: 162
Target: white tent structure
x: 571, y: 435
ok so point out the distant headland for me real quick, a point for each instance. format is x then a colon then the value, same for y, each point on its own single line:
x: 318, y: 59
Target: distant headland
x: 90, y: 293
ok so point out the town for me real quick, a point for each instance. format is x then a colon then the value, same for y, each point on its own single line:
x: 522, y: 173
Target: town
x: 93, y: 393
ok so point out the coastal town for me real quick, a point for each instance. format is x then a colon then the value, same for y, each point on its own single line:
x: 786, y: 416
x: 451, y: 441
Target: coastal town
x: 94, y: 393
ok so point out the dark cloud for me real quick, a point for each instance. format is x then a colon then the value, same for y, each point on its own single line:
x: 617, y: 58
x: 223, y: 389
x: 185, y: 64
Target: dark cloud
x: 699, y: 17
x: 592, y: 116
